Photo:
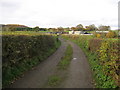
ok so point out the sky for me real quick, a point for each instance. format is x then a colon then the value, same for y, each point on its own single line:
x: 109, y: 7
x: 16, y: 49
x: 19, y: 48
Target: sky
x: 59, y: 13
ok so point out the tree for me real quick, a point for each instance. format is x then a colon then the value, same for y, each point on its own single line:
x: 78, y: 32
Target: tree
x: 66, y: 29
x: 104, y: 28
x: 73, y: 28
x: 12, y: 28
x: 54, y: 29
x: 91, y: 27
x: 50, y: 29
x: 60, y: 29
x: 43, y: 29
x: 36, y: 28
x: 79, y: 27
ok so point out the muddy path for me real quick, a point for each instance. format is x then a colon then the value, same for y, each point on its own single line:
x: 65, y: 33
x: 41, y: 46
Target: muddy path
x: 78, y: 74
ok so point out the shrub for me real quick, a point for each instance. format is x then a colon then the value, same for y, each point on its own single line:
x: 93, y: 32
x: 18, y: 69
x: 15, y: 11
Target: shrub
x: 109, y: 59
x: 94, y: 44
x: 111, y: 34
x: 98, y: 35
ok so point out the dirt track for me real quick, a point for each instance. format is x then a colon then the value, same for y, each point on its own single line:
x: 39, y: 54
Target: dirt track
x: 78, y: 73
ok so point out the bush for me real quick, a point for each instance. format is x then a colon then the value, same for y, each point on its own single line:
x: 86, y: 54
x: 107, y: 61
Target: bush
x: 109, y: 59
x: 98, y: 35
x: 20, y: 53
x: 111, y: 34
x: 94, y: 44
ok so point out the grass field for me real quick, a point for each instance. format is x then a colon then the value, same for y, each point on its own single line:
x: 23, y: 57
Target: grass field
x: 23, y: 33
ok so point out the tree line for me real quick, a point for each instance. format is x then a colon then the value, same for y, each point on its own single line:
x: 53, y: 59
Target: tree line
x: 79, y: 27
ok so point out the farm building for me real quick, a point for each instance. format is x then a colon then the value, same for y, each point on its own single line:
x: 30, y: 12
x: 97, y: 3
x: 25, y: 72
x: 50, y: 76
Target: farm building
x: 79, y: 33
x: 102, y: 31
x: 76, y: 32
x: 71, y: 32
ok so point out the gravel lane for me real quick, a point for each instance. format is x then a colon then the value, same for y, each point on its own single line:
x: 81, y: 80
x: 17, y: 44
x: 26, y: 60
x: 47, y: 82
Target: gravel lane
x: 79, y: 73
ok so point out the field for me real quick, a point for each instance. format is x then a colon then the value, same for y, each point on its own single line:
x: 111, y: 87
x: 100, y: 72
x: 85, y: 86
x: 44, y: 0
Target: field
x: 23, y: 50
x: 29, y: 33
x: 25, y: 33
x: 103, y: 56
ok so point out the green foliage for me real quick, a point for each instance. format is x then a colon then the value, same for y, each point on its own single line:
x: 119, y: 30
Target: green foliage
x: 17, y: 27
x: 90, y: 28
x: 60, y: 29
x: 103, y: 58
x: 21, y: 52
x: 54, y: 80
x: 98, y: 35
x: 65, y: 61
x: 14, y: 27
x: 57, y: 78
x: 101, y: 80
x: 111, y: 34
x: 28, y: 33
x: 94, y: 44
x: 79, y: 27
x: 109, y: 58
x: 36, y: 29
x: 104, y: 28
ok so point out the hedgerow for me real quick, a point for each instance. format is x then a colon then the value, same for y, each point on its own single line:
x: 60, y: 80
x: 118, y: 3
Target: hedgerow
x: 21, y: 52
x: 104, y: 59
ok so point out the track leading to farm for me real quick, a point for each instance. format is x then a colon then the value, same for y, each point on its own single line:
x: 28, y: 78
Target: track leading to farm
x: 78, y: 73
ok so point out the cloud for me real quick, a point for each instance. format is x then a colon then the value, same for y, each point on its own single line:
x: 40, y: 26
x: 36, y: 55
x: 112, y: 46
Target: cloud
x: 55, y: 13
x: 8, y: 8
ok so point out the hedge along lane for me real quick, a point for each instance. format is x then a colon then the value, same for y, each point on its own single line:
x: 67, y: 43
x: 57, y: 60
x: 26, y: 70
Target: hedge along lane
x: 37, y: 77
x: 21, y: 52
x: 103, y: 58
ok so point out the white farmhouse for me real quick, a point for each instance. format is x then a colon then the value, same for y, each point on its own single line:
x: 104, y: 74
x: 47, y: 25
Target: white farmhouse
x: 77, y: 32
x: 102, y: 31
x: 71, y: 32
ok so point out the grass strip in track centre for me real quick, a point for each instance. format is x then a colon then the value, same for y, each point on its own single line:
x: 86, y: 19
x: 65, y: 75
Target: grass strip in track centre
x: 56, y: 79
x: 65, y: 61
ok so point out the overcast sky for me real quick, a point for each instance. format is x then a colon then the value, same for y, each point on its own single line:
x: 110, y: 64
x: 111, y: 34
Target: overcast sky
x: 56, y: 13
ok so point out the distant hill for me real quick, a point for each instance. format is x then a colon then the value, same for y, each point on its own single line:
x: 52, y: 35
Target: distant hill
x: 12, y: 27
